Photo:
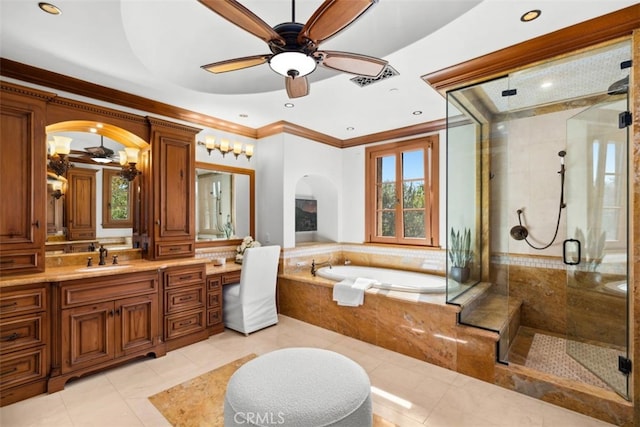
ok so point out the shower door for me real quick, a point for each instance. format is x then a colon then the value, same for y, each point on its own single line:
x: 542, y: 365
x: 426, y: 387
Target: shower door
x: 596, y: 249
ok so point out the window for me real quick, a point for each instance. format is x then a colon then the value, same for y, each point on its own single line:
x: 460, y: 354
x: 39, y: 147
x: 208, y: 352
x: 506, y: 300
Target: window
x: 116, y: 200
x: 401, y: 192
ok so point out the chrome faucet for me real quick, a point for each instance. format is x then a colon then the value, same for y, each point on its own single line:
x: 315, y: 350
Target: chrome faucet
x: 103, y: 254
x: 314, y: 265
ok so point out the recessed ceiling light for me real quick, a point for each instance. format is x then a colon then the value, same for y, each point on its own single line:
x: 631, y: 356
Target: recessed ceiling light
x: 93, y: 130
x: 531, y: 15
x: 289, y: 105
x: 351, y: 128
x: 244, y: 116
x: 546, y: 85
x: 50, y: 8
x: 417, y: 113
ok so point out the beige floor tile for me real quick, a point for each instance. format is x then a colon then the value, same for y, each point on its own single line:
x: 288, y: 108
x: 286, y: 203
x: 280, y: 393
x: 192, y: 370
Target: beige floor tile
x: 409, y: 392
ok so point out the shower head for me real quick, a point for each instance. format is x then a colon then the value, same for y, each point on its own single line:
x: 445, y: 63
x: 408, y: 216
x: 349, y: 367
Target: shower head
x: 519, y: 232
x: 619, y: 87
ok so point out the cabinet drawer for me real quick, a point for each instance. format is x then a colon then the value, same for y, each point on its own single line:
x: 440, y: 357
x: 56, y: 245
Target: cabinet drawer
x: 22, y: 366
x: 184, y: 276
x: 178, y: 325
x: 174, y: 250
x: 233, y: 277
x: 21, y: 332
x: 214, y: 299
x: 182, y: 299
x: 22, y: 301
x: 214, y: 284
x: 214, y: 317
x: 22, y: 262
x: 95, y: 289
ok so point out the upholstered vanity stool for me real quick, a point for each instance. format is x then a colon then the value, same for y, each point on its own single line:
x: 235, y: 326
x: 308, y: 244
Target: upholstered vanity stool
x: 307, y: 387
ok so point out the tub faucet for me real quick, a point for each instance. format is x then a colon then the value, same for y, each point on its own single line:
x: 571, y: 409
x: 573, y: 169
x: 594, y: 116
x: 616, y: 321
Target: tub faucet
x: 103, y: 254
x: 314, y: 265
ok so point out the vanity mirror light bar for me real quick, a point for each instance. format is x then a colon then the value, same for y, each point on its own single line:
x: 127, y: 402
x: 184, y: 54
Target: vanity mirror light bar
x: 224, y: 147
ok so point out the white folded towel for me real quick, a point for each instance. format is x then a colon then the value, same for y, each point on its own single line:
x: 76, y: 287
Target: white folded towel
x: 350, y: 292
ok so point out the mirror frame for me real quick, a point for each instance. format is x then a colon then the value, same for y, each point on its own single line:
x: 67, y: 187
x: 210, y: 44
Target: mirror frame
x: 252, y: 197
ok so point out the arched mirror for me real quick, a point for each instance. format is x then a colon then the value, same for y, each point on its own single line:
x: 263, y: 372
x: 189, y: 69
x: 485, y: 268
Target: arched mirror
x: 224, y: 204
x: 91, y: 184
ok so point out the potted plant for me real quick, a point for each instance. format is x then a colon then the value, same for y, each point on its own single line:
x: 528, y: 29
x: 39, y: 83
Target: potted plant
x: 247, y: 243
x: 460, y: 255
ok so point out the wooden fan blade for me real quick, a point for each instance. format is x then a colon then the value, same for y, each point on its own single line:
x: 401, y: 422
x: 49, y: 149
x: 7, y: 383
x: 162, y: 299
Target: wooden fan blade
x: 236, y: 64
x: 331, y: 17
x: 239, y: 15
x: 297, y: 87
x: 352, y: 63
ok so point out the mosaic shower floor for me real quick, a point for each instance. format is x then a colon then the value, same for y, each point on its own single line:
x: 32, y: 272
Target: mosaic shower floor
x: 550, y: 354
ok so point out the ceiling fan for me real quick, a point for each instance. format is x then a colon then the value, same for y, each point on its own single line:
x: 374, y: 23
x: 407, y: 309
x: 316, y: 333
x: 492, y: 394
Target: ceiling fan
x: 100, y: 154
x: 294, y: 46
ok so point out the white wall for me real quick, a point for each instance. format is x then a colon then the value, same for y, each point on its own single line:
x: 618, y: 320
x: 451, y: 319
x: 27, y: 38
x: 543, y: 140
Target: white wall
x: 333, y: 176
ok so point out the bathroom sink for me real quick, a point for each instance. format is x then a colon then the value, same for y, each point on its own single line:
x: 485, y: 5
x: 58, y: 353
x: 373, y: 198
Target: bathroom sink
x: 103, y: 268
x: 616, y: 287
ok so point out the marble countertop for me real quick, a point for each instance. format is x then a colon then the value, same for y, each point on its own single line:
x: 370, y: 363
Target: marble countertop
x: 71, y: 272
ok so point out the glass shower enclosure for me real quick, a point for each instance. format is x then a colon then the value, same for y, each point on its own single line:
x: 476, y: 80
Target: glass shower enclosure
x: 537, y: 173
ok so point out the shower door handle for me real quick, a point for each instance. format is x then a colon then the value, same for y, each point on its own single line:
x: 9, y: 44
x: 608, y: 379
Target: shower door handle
x: 565, y: 245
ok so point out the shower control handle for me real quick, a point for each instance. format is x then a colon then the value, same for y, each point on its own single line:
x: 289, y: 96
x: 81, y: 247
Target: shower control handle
x: 565, y: 245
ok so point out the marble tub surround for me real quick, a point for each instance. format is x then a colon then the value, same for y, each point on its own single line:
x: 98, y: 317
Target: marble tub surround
x: 299, y: 259
x: 423, y: 329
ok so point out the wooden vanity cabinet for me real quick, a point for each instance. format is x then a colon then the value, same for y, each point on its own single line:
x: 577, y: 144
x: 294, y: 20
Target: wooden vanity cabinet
x: 23, y: 222
x: 184, y: 305
x: 24, y: 343
x: 81, y: 204
x: 103, y: 321
x: 172, y: 201
x: 215, y: 282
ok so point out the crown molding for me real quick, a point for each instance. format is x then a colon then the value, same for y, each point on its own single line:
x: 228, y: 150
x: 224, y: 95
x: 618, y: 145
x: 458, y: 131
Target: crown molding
x: 602, y: 29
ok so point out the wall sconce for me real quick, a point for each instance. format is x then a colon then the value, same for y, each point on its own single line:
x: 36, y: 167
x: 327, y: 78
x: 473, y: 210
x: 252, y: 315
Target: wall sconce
x: 224, y: 147
x: 128, y: 160
x: 57, y: 190
x: 59, y: 150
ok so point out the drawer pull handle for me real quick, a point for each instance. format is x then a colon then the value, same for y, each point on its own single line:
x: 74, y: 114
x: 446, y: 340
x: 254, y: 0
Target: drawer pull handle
x: 183, y: 299
x: 8, y: 371
x: 185, y: 277
x: 14, y: 336
x: 184, y: 324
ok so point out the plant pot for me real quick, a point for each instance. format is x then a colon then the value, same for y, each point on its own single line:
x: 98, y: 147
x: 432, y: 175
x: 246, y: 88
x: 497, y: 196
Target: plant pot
x: 459, y: 274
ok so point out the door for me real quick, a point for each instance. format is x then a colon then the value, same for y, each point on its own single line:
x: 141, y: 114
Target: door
x: 87, y: 336
x: 81, y: 204
x: 137, y: 326
x: 597, y: 249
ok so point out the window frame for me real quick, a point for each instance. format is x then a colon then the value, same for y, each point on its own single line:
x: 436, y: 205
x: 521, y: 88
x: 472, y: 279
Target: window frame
x: 430, y: 145
x: 107, y: 220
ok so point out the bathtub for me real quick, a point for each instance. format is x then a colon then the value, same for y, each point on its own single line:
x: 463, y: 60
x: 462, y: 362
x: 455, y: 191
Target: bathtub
x: 386, y: 278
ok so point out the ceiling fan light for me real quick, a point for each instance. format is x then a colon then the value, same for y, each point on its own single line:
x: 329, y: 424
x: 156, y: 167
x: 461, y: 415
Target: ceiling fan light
x: 294, y: 64
x: 101, y: 159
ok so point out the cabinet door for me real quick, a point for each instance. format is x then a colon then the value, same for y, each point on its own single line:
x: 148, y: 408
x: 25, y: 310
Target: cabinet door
x: 81, y: 204
x: 22, y: 185
x: 87, y: 336
x: 173, y: 172
x: 137, y: 324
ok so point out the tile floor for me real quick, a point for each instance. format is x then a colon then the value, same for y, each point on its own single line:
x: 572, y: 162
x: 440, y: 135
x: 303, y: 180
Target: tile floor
x: 405, y: 390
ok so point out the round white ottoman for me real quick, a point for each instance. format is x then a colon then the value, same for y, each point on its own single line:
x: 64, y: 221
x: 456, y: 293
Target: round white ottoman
x: 302, y: 387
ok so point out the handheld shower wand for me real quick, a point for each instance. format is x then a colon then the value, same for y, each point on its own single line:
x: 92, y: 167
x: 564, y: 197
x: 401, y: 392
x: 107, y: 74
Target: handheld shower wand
x: 520, y: 232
